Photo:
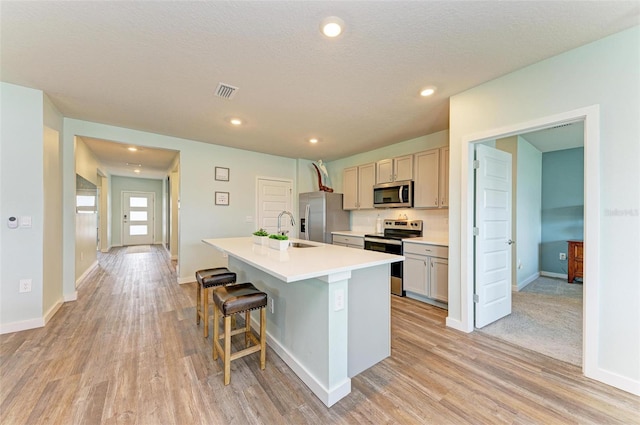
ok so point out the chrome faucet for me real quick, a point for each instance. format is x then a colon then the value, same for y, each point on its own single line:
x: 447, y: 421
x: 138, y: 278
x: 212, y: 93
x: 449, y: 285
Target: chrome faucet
x: 293, y: 222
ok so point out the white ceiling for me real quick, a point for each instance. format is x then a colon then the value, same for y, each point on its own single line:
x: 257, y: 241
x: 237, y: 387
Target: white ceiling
x: 119, y: 161
x: 154, y: 66
x: 564, y: 136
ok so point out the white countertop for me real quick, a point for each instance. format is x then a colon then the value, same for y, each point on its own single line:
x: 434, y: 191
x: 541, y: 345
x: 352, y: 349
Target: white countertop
x: 296, y: 264
x: 428, y: 240
x: 349, y: 233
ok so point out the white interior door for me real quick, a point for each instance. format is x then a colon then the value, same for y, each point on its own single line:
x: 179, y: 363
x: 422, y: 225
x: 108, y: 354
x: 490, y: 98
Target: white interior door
x: 274, y: 196
x: 137, y: 218
x: 493, y: 242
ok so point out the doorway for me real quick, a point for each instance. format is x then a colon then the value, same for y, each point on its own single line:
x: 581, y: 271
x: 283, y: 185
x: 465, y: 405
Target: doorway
x: 548, y: 199
x: 590, y: 116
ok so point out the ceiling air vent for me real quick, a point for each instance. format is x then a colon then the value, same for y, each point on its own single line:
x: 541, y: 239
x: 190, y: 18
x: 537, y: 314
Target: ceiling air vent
x: 226, y: 91
x: 562, y: 125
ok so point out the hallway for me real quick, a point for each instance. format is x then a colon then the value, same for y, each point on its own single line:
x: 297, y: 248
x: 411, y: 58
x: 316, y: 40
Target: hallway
x: 128, y: 351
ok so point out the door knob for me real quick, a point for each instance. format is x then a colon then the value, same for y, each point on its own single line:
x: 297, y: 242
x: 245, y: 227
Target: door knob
x: 511, y: 242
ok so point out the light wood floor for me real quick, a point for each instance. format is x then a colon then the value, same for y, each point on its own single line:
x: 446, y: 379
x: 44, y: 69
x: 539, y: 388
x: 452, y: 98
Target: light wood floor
x: 128, y: 352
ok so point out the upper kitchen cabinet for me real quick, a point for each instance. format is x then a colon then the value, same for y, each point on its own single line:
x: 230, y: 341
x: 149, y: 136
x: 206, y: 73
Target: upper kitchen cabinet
x: 395, y: 169
x: 358, y: 187
x: 431, y: 189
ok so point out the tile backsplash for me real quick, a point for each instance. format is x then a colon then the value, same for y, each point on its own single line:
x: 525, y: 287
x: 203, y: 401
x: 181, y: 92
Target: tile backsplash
x: 435, y: 222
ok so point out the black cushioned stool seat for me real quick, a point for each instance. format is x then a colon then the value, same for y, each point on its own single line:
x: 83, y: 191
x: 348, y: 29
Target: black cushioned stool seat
x: 230, y: 300
x: 209, y: 278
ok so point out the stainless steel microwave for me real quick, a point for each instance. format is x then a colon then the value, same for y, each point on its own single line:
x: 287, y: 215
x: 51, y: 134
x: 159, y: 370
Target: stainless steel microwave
x: 393, y: 195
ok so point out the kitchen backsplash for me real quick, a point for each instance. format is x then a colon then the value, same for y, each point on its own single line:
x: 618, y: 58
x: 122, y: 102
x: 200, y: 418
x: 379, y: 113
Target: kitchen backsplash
x: 435, y: 222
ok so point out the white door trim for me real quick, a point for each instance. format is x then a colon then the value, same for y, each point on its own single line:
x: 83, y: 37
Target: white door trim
x: 590, y: 331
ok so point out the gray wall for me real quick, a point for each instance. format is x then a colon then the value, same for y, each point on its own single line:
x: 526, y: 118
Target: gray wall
x: 562, y: 205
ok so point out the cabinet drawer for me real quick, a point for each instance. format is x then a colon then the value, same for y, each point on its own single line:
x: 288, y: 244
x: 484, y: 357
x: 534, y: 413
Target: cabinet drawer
x: 428, y: 250
x: 348, y: 240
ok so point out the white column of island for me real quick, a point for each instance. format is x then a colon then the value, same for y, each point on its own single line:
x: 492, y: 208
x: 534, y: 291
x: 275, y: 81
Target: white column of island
x: 329, y: 311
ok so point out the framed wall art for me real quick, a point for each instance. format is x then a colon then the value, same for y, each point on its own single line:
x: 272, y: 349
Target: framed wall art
x: 222, y: 174
x: 222, y: 198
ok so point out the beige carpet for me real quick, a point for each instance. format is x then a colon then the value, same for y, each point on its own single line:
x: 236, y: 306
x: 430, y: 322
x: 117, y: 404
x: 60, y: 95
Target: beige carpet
x: 546, y: 317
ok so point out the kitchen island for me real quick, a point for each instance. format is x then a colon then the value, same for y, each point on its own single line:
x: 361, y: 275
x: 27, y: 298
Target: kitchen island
x: 329, y: 309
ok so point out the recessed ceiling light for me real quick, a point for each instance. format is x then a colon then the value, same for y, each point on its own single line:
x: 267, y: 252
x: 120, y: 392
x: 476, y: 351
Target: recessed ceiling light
x: 235, y: 121
x: 136, y: 171
x: 332, y: 26
x: 428, y: 91
x: 313, y: 140
x: 132, y: 148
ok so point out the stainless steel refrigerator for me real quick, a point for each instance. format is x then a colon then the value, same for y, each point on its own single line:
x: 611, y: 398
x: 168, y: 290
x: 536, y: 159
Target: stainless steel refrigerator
x: 320, y: 214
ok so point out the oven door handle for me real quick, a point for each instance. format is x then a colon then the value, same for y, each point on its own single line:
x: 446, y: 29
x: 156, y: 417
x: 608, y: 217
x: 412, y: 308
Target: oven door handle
x: 385, y: 241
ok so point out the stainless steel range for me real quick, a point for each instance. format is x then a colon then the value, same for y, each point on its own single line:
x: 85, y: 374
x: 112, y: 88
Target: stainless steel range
x: 390, y: 242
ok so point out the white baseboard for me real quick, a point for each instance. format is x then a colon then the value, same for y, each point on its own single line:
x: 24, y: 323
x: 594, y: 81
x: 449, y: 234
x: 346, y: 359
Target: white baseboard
x: 527, y: 281
x: 70, y: 297
x: 52, y: 311
x: 182, y: 280
x: 615, y: 380
x: 457, y: 325
x: 328, y: 396
x: 22, y: 325
x: 80, y: 280
x: 555, y: 275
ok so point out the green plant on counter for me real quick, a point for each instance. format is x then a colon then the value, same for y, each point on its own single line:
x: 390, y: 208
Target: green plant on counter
x: 279, y: 237
x: 261, y: 232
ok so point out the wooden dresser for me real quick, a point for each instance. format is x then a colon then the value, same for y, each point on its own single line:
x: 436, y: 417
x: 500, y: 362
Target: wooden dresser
x: 574, y: 258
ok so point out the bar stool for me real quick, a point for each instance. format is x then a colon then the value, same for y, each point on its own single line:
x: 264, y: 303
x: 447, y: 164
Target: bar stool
x: 209, y: 278
x: 228, y: 301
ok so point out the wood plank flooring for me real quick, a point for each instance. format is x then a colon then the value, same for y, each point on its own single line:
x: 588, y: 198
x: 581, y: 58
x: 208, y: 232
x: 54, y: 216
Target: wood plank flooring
x: 128, y: 352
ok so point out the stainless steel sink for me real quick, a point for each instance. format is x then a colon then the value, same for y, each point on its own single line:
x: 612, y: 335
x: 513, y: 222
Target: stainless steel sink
x: 301, y: 245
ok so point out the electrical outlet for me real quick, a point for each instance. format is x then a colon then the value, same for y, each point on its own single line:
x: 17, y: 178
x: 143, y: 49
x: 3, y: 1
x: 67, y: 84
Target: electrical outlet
x: 272, y: 305
x: 338, y: 300
x: 25, y: 285
x: 563, y: 256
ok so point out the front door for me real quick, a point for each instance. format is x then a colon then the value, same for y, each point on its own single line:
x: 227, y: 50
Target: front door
x: 493, y: 242
x: 137, y: 218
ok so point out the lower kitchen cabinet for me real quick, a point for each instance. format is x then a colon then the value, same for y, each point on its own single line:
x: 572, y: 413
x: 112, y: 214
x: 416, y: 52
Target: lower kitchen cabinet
x: 349, y: 241
x: 426, y: 271
x: 439, y: 279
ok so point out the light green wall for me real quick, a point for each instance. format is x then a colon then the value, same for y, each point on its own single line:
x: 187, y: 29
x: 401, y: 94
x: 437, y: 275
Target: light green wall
x: 21, y: 194
x: 603, y: 73
x: 528, y: 205
x: 120, y: 184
